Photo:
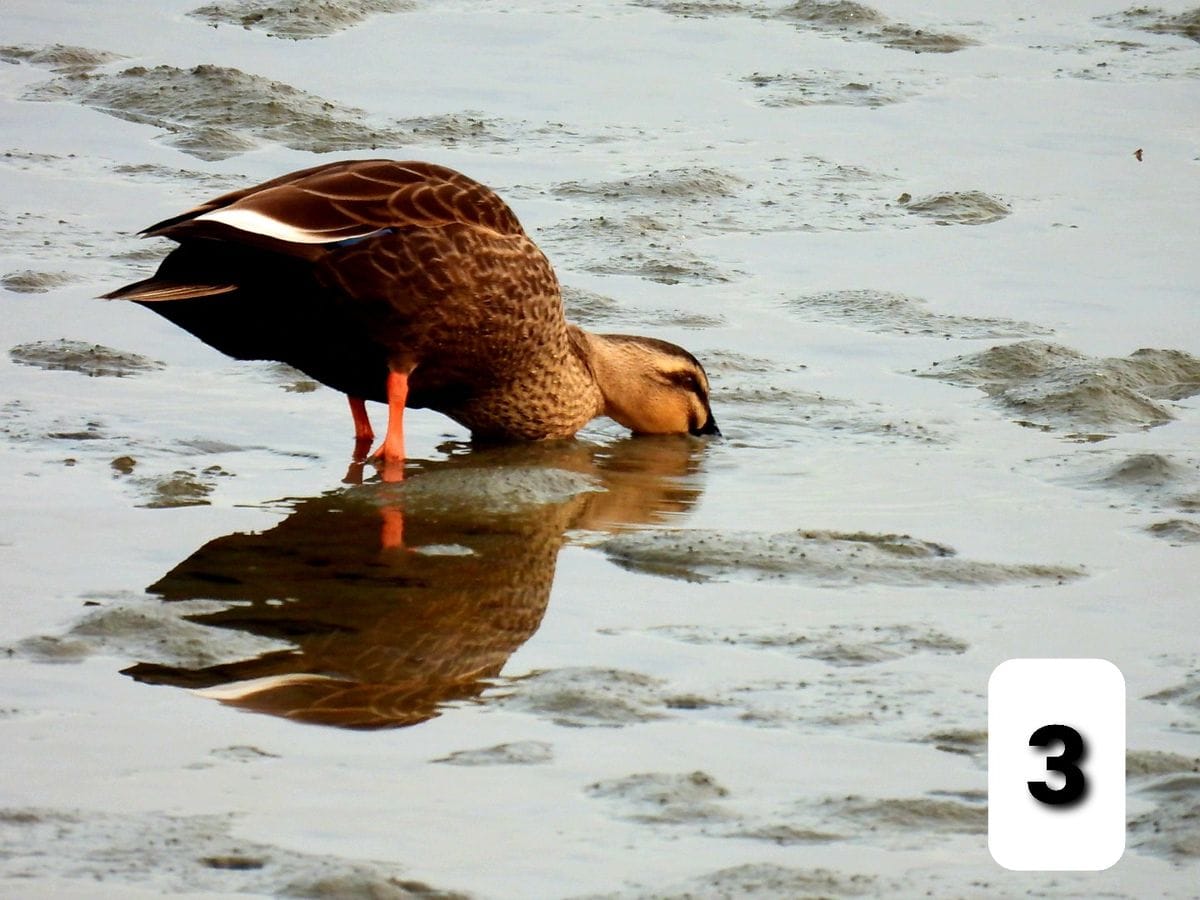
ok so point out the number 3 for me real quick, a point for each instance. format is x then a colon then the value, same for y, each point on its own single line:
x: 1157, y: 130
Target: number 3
x: 1073, y: 752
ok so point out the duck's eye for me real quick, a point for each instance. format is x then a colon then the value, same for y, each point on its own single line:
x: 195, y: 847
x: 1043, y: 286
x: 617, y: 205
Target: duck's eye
x: 684, y: 380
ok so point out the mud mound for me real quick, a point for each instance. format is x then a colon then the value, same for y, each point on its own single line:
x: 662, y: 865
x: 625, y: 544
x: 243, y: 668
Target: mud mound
x: 702, y: 9
x: 771, y: 400
x: 854, y: 21
x: 665, y: 798
x: 29, y: 281
x: 637, y: 245
x: 94, y: 360
x: 1149, y: 763
x: 518, y: 753
x: 1055, y: 387
x: 585, y: 696
x: 822, y: 88
x: 183, y: 487
x: 1152, y: 19
x: 690, y: 185
x: 1145, y: 470
x: 958, y: 208
x: 763, y: 880
x: 833, y: 13
x: 1186, y: 694
x: 837, y: 646
x: 154, y: 853
x: 1142, y: 481
x: 884, y: 312
x: 131, y: 627
x: 510, y: 490
x: 820, y: 557
x: 298, y: 19
x: 599, y: 311
x: 1169, y: 829
x: 923, y: 815
x: 655, y: 209
x: 58, y: 58
x: 639, y: 224
x: 214, y: 112
x: 1177, y: 531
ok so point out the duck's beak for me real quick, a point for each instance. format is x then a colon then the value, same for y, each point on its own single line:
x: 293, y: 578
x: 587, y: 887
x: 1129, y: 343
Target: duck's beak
x: 709, y: 428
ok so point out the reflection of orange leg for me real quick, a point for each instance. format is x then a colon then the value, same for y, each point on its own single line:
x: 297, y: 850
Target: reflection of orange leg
x: 363, y: 433
x: 391, y: 452
x: 391, y: 535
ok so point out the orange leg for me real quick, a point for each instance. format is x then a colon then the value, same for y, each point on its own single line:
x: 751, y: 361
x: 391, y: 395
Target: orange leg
x: 391, y: 451
x: 362, y: 423
x: 363, y: 433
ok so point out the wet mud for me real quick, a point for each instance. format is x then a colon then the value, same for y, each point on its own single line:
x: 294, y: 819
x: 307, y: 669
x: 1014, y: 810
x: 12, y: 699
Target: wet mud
x: 596, y: 311
x: 1058, y: 388
x: 59, y: 58
x: 127, y: 626
x: 587, y: 697
x: 1158, y: 21
x: 29, y: 281
x: 93, y: 360
x: 836, y: 646
x: 298, y: 19
x: 760, y: 879
x: 823, y: 88
x: 854, y: 21
x: 1185, y: 696
x: 183, y: 487
x: 958, y: 208
x: 697, y: 801
x: 766, y: 396
x: 863, y: 688
x: 926, y: 815
x: 886, y: 312
x: 184, y: 854
x: 848, y: 20
x: 662, y: 798
x: 1145, y: 482
x: 216, y: 112
x: 825, y: 558
x: 1171, y: 782
x: 520, y: 753
x: 640, y: 224
x: 1179, y: 532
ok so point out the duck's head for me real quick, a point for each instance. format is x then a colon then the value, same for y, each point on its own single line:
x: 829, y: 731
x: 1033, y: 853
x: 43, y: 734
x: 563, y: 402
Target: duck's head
x: 651, y: 386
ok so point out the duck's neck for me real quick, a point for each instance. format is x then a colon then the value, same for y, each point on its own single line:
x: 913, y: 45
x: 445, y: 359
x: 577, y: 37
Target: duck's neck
x: 553, y: 393
x: 586, y: 368
x: 608, y: 369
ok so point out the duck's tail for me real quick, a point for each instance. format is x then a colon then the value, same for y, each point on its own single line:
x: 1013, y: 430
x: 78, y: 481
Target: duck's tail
x: 153, y: 290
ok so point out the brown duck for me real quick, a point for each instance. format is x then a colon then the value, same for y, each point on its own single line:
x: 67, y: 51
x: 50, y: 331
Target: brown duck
x: 411, y: 284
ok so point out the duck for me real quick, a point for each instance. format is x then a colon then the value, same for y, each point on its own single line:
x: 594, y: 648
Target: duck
x: 410, y: 284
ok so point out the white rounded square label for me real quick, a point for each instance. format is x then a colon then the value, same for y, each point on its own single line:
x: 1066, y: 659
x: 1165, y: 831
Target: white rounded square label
x: 1056, y: 764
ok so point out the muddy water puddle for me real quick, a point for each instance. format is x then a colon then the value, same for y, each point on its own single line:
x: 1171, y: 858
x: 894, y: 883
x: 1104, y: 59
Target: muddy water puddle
x: 950, y: 323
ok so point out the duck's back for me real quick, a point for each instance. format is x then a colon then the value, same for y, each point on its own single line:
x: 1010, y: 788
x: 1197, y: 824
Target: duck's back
x: 344, y: 268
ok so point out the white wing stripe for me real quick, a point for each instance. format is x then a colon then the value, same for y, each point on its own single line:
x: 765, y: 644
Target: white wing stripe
x: 256, y: 223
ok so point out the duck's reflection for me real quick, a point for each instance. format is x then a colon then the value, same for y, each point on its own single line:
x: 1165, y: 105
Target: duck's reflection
x: 384, y: 629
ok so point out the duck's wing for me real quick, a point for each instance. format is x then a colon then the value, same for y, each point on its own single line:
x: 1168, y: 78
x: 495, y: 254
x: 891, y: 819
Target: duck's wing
x: 301, y: 213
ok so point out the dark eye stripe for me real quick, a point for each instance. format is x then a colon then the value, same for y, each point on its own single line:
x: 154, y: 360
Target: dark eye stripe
x: 685, y: 380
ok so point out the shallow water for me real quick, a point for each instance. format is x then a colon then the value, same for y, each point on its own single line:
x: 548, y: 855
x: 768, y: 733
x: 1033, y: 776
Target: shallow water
x: 951, y: 324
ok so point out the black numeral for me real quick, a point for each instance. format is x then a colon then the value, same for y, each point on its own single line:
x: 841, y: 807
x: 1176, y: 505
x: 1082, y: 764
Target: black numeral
x: 1067, y: 762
